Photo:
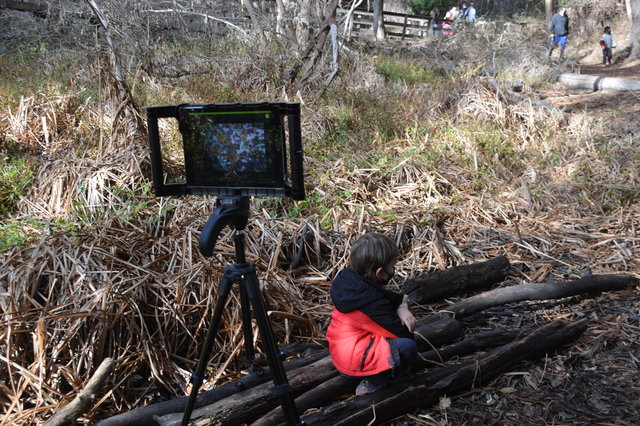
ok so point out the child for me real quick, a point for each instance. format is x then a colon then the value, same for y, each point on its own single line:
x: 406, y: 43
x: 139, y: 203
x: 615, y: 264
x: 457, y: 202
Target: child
x: 607, y: 42
x: 371, y: 332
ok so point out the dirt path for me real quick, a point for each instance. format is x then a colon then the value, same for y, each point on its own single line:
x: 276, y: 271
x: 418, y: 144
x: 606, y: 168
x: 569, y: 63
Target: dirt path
x: 618, y: 108
x: 623, y: 70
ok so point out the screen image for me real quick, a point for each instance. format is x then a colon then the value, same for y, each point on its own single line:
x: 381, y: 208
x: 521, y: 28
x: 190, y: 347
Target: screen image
x: 236, y: 147
x: 233, y: 148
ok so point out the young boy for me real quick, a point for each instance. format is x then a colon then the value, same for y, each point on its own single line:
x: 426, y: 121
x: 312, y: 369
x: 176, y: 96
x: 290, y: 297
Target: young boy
x: 371, y: 331
x: 607, y: 42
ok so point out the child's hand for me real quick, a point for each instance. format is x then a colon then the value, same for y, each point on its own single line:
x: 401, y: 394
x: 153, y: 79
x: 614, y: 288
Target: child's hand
x: 406, y: 317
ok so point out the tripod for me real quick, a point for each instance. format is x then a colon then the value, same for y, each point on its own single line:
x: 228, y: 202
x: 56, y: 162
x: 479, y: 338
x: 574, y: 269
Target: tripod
x: 234, y: 211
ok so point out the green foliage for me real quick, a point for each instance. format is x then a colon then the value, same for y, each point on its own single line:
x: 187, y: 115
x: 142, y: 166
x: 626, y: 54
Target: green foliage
x: 36, y: 71
x: 423, y: 7
x: 12, y: 234
x: 409, y: 71
x: 15, y: 176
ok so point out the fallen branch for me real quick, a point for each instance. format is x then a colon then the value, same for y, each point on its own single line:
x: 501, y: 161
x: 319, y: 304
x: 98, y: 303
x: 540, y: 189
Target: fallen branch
x: 586, y: 285
x: 252, y: 403
x: 82, y: 402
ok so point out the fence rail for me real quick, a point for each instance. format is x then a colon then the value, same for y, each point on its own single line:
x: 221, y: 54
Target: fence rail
x: 398, y: 25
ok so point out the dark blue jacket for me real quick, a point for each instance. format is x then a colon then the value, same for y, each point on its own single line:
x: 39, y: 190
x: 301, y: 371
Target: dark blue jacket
x: 559, y: 25
x: 350, y: 292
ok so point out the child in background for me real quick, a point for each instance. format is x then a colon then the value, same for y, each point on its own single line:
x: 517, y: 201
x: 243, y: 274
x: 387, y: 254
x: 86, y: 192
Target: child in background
x: 607, y: 42
x: 371, y: 331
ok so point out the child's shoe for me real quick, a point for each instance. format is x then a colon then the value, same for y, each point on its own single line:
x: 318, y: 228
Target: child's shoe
x: 366, y: 387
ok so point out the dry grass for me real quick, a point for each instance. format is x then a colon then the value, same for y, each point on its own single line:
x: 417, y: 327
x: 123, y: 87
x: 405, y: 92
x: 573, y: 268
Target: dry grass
x: 123, y: 278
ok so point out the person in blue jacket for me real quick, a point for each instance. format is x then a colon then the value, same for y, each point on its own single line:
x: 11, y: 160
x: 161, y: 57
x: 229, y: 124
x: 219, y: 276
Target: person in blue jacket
x: 559, y: 30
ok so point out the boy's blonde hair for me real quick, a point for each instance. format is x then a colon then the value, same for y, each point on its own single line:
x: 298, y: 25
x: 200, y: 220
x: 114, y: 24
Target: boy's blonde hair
x: 370, y: 252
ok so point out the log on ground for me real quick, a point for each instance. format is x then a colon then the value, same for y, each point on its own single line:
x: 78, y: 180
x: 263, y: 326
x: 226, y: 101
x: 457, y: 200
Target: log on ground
x: 595, y: 83
x: 331, y: 390
x: 453, y: 281
x: 252, y: 403
x: 586, y: 285
x: 144, y: 416
x: 424, y: 390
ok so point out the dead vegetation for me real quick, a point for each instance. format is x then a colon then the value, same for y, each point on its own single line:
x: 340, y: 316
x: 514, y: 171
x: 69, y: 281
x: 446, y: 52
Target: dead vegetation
x: 109, y: 271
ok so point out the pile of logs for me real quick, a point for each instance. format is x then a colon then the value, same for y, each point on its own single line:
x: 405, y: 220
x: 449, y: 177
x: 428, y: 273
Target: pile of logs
x: 324, y: 397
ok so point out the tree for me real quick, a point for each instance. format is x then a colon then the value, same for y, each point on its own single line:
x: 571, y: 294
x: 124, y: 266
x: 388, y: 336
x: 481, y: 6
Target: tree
x: 635, y: 29
x: 378, y: 19
x: 548, y: 9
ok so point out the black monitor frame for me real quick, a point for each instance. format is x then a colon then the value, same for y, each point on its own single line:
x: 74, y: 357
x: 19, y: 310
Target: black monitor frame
x: 279, y: 175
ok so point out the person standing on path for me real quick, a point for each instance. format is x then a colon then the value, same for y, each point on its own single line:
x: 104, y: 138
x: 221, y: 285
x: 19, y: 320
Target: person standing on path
x: 559, y: 29
x: 607, y: 42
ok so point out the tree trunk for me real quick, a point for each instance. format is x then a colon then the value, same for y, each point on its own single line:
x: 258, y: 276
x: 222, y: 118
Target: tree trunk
x: 424, y: 390
x: 634, y: 6
x: 476, y: 343
x: 314, y: 52
x: 548, y: 10
x: 517, y: 293
x: 457, y: 280
x: 378, y: 20
x: 245, y: 406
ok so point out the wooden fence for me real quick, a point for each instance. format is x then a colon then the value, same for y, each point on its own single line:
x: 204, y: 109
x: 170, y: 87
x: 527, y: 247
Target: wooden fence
x: 398, y: 25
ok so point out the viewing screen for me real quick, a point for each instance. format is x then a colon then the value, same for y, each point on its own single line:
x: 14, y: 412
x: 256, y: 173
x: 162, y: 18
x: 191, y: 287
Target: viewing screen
x: 237, y: 148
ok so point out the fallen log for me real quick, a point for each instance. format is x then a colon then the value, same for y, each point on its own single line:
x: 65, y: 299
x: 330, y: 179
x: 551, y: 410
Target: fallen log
x: 595, y: 83
x: 464, y: 347
x: 325, y: 393
x: 424, y: 390
x: 337, y: 386
x: 430, y: 332
x: 235, y: 409
x: 252, y: 403
x: 586, y: 285
x: 453, y: 281
x: 143, y: 416
x: 436, y: 331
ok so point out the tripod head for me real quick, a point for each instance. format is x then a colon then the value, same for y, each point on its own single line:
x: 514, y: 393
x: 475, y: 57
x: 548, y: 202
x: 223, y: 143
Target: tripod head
x: 230, y: 211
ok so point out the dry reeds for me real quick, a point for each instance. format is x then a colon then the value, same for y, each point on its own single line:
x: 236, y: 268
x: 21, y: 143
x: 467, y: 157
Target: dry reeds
x: 119, y: 275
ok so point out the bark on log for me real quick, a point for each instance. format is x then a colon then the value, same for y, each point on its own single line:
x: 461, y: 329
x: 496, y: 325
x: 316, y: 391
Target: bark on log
x: 440, y: 284
x: 332, y: 389
x: 252, y: 403
x: 595, y: 83
x: 586, y: 285
x: 325, y: 393
x: 143, y: 416
x: 464, y: 347
x: 425, y: 390
x: 82, y: 402
x: 436, y: 331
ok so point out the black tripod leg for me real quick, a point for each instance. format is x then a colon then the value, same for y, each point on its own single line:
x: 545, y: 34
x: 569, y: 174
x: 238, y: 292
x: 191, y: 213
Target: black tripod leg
x: 198, y: 376
x: 282, y: 388
x: 247, y: 329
